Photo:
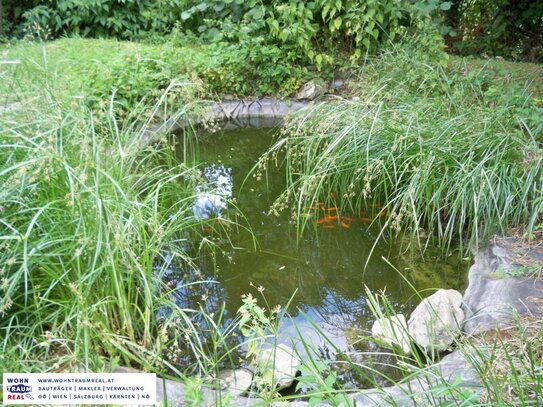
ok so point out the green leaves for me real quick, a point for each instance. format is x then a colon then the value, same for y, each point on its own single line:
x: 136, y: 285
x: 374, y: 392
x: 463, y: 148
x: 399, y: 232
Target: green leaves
x: 446, y: 5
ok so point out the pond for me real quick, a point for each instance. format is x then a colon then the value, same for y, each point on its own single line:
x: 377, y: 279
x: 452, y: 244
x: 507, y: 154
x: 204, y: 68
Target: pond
x: 322, y: 274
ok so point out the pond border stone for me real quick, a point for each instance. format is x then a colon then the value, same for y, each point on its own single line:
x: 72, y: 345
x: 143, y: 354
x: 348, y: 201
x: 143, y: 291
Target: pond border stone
x: 257, y: 113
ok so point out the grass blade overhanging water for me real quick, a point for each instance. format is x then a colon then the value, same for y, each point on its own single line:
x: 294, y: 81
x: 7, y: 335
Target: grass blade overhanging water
x: 87, y: 210
x: 456, y: 162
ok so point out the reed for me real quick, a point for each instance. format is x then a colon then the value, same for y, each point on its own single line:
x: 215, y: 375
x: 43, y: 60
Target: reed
x: 88, y: 211
x: 431, y: 150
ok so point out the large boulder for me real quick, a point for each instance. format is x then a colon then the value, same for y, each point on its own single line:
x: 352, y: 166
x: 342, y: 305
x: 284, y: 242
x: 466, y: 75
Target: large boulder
x: 392, y: 331
x: 436, y: 321
x: 277, y: 365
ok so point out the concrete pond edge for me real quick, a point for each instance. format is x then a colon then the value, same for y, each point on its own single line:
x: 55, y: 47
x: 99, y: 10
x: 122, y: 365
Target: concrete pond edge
x: 257, y: 113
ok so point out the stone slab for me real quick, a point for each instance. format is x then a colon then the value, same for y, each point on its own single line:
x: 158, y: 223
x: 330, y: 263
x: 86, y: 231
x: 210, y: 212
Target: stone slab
x: 496, y: 292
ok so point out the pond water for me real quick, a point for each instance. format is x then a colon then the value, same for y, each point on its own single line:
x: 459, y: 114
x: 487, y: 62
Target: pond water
x: 322, y: 274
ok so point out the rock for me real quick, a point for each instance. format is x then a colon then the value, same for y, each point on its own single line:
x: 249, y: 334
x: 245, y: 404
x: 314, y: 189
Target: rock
x: 310, y: 91
x: 337, y: 84
x: 392, y: 332
x: 277, y: 365
x: 236, y: 382
x: 497, y: 288
x: 436, y: 321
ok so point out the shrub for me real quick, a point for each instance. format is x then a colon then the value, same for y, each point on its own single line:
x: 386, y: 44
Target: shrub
x: 308, y: 32
x: 511, y: 29
x: 97, y: 18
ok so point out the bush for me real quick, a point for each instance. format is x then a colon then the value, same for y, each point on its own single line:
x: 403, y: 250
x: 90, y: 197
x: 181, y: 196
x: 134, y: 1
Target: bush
x: 249, y: 68
x: 308, y: 32
x: 511, y: 29
x: 124, y: 19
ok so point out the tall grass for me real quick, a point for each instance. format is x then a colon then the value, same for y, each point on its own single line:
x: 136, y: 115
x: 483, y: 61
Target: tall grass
x: 87, y: 212
x: 442, y: 150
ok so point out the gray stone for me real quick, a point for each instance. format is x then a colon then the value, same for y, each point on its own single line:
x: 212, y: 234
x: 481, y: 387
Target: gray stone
x: 235, y: 382
x: 497, y: 292
x: 436, y: 321
x: 310, y: 91
x: 277, y: 365
x: 392, y: 331
x: 338, y: 84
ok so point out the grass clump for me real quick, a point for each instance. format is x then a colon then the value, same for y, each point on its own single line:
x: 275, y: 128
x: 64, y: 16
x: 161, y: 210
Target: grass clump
x: 510, y: 363
x: 450, y: 151
x: 87, y: 215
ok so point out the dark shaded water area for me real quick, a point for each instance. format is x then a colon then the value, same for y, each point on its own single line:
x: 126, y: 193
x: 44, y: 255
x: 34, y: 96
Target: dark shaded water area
x: 322, y: 274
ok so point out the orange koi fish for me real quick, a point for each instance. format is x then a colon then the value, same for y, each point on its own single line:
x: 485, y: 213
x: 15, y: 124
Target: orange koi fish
x: 366, y: 220
x: 345, y: 225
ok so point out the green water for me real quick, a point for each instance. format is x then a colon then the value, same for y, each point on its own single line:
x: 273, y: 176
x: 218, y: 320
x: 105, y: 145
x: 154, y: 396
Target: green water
x: 324, y: 273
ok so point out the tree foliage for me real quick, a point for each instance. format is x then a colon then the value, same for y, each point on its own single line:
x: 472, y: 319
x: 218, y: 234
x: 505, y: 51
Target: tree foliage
x: 310, y: 30
x: 507, y: 28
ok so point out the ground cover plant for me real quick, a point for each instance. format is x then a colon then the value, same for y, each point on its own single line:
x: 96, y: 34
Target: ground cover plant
x: 135, y: 75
